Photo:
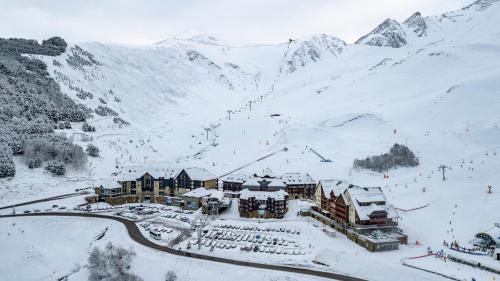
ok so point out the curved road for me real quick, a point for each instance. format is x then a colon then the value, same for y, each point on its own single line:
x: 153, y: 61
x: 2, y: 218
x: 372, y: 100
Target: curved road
x: 136, y: 235
x: 53, y: 198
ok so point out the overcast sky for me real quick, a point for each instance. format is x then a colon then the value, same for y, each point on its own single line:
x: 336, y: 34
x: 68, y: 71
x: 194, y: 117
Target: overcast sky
x: 231, y: 21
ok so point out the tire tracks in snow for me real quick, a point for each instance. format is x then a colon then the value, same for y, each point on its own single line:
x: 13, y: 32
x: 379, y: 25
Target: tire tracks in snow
x: 136, y: 235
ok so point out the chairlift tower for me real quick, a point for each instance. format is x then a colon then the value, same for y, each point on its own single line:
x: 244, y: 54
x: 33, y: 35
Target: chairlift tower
x: 443, y: 169
x: 207, y: 130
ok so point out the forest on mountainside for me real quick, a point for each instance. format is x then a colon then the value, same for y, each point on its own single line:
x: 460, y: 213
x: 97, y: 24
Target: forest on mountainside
x: 32, y: 106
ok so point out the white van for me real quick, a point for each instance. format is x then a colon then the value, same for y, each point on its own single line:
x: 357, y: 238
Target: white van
x: 155, y: 234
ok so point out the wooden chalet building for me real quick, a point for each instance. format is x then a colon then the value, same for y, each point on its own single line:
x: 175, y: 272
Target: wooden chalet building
x: 362, y: 213
x: 366, y: 208
x: 327, y: 192
x: 263, y: 204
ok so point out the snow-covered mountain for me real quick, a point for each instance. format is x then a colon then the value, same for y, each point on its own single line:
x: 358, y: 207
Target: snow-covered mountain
x: 417, y: 24
x: 299, y: 53
x: 431, y: 82
x: 388, y: 34
x: 163, y: 95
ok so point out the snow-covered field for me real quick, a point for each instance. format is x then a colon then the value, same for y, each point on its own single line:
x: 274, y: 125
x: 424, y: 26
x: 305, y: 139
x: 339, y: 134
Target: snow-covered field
x: 439, y: 94
x: 50, y: 248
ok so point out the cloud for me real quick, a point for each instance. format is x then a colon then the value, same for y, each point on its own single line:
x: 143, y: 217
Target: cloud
x: 234, y: 21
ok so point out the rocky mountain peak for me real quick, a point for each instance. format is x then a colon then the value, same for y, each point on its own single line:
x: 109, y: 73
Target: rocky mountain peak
x: 388, y: 34
x: 312, y: 49
x: 417, y: 24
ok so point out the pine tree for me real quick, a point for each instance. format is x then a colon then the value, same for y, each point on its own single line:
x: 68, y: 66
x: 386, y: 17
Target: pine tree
x: 92, y: 150
x: 7, y: 166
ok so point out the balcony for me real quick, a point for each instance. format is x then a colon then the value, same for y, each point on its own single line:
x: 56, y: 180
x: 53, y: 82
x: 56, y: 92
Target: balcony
x: 375, y: 225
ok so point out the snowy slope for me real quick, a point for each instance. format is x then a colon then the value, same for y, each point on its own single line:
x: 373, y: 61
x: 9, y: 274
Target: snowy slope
x: 439, y: 92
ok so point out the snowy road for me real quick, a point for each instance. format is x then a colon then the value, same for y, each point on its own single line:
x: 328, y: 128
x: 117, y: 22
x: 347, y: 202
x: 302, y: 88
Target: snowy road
x: 136, y: 235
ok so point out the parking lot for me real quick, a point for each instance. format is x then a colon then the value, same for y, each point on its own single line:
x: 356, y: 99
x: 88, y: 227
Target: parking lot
x: 249, y: 238
x: 164, y: 225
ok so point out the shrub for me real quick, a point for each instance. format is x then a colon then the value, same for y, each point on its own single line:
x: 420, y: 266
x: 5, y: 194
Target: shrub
x: 53, y: 148
x: 34, y: 163
x: 120, y: 121
x: 105, y: 111
x: 87, y: 128
x: 7, y: 166
x: 92, y: 150
x: 171, y: 276
x: 57, y: 168
x: 111, y: 264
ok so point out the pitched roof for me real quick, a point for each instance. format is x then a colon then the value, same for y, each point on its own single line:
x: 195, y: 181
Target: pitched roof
x: 198, y: 193
x: 245, y: 194
x: 297, y: 178
x: 240, y: 178
x: 267, y: 173
x: 133, y: 173
x: 203, y: 192
x: 217, y: 194
x: 256, y: 182
x: 337, y: 186
x: 370, y: 196
x: 108, y: 184
x: 197, y: 174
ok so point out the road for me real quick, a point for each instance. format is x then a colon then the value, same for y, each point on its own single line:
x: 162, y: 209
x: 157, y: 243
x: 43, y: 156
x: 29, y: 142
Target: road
x: 58, y: 197
x: 136, y: 235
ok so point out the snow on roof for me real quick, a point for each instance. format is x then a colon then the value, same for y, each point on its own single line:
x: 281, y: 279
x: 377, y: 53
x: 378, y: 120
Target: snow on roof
x: 217, y: 194
x: 203, y: 192
x: 108, y: 184
x: 132, y: 173
x: 240, y: 178
x: 198, y: 174
x: 245, y: 194
x: 337, y: 186
x: 198, y: 193
x: 494, y: 233
x: 267, y: 172
x: 366, y: 195
x: 256, y: 182
x: 297, y: 178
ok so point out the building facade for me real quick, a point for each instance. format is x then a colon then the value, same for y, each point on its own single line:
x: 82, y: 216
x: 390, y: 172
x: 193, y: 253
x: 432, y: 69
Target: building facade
x: 263, y: 204
x: 166, y: 189
x: 232, y: 184
x: 297, y: 185
x: 327, y: 192
x: 367, y: 208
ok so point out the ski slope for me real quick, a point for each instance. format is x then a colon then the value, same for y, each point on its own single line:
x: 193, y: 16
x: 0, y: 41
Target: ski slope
x: 439, y: 93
